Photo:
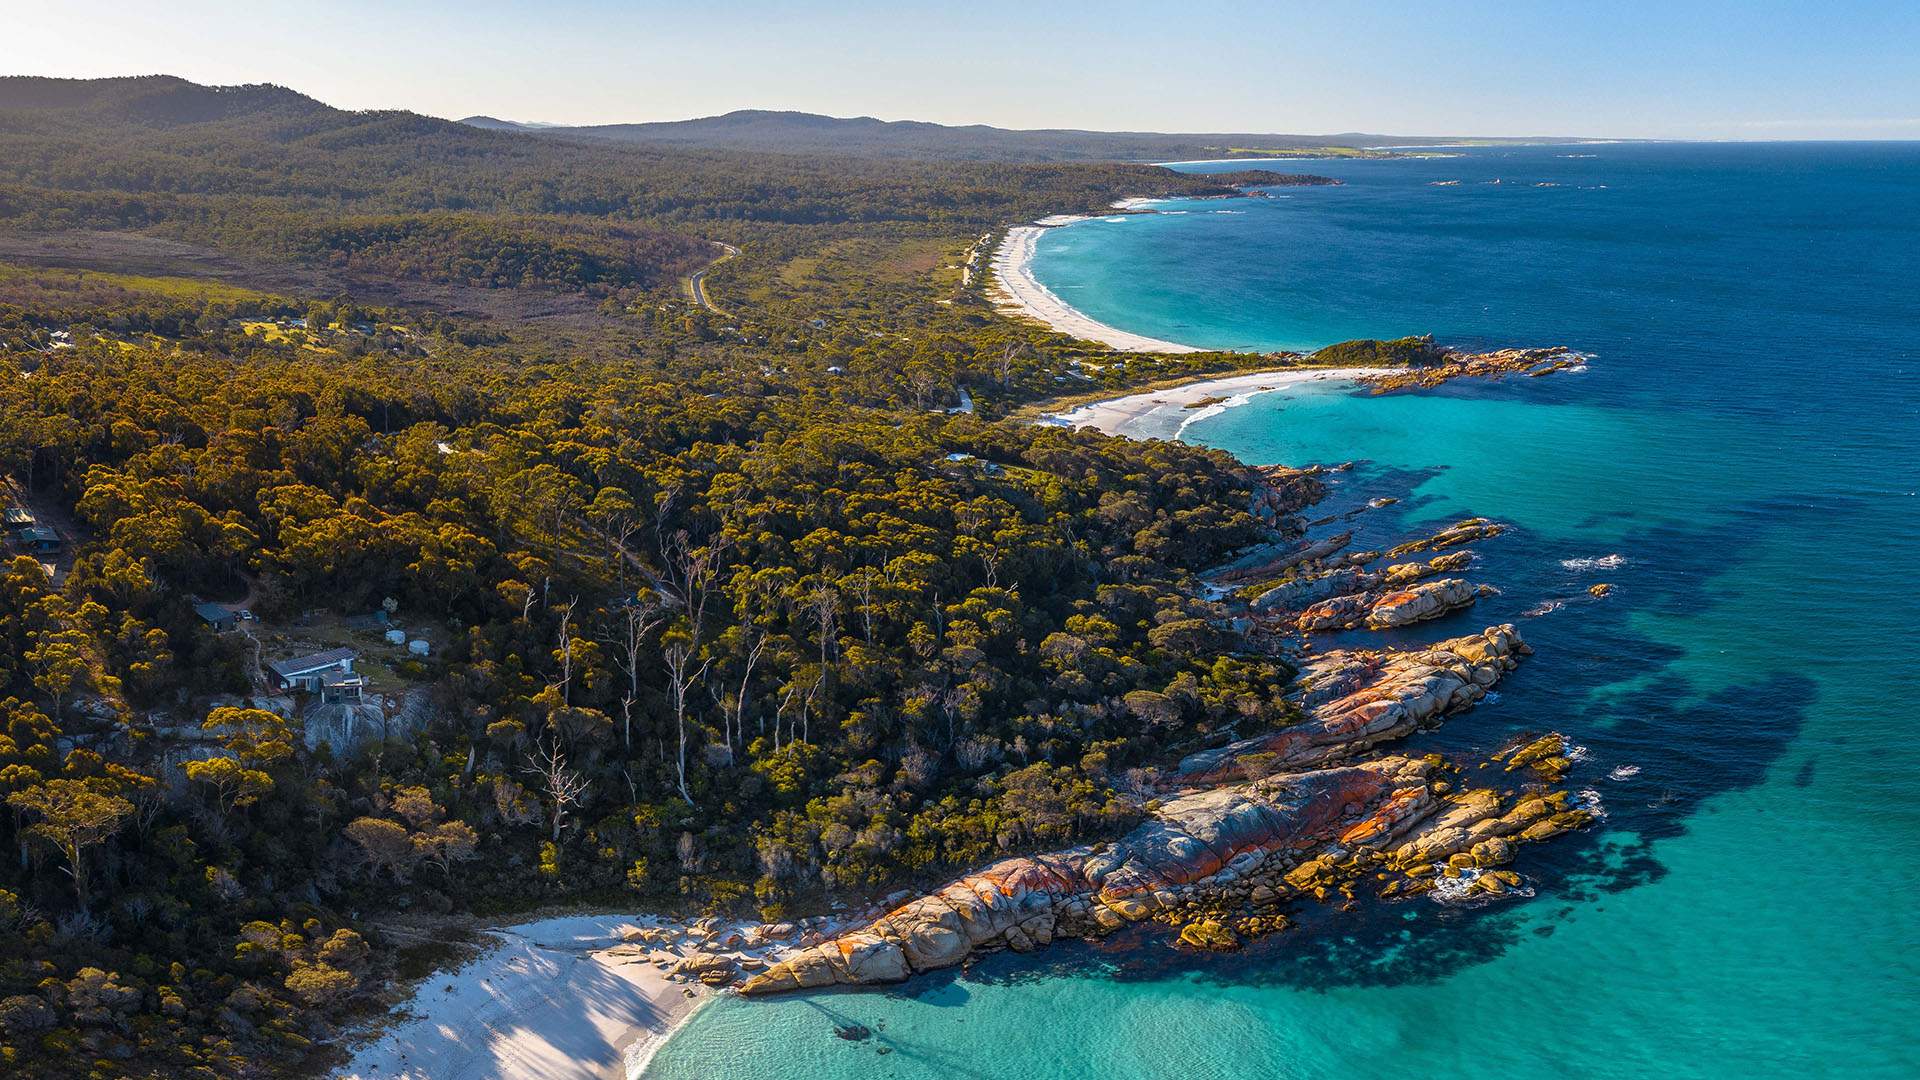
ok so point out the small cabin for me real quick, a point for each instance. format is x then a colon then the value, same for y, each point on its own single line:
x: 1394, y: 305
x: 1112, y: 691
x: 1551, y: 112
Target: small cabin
x: 18, y: 518
x: 310, y: 672
x: 38, y: 540
x: 221, y: 618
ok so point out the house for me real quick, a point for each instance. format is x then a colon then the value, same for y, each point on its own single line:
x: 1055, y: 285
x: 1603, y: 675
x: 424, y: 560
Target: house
x: 309, y: 672
x: 18, y: 518
x: 337, y: 687
x: 37, y: 540
x: 222, y: 618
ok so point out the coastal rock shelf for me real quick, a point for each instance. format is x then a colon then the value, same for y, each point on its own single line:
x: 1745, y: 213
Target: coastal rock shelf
x: 1456, y: 364
x: 1356, y: 700
x: 1304, y: 591
x: 1246, y: 828
x: 1289, y: 815
x: 1395, y: 608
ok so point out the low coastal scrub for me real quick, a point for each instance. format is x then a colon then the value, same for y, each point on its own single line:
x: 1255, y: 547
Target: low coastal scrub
x: 1371, y: 352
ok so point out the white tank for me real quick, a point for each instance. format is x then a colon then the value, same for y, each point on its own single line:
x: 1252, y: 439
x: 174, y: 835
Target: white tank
x: 418, y: 647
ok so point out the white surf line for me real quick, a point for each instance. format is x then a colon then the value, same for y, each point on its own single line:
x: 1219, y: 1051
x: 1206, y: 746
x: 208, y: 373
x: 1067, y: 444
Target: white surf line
x: 1017, y: 288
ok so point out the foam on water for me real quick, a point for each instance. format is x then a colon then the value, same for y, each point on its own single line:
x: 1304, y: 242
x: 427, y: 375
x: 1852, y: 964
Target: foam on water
x: 1602, y: 562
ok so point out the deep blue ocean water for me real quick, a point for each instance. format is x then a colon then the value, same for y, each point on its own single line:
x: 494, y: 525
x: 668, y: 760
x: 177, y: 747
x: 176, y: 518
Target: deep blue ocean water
x: 1743, y: 453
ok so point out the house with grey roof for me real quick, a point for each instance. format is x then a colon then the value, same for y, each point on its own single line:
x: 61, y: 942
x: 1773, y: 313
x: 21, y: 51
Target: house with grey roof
x: 218, y: 616
x: 310, y: 672
x: 37, y: 540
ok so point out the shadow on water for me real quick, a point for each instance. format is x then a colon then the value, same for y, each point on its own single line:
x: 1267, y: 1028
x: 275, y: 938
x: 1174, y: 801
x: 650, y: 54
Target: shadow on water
x: 920, y: 1052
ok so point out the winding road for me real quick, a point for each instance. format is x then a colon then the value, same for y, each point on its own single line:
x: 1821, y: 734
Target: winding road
x: 696, y: 281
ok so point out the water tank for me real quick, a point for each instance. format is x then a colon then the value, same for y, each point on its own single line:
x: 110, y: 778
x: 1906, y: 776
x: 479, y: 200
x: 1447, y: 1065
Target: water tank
x: 396, y: 637
x: 418, y: 647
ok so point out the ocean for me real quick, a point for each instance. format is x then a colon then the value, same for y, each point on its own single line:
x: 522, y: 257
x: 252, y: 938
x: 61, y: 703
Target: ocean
x: 1739, y: 458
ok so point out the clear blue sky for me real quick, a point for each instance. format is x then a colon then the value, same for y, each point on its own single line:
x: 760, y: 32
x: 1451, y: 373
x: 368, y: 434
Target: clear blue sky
x: 1672, y: 69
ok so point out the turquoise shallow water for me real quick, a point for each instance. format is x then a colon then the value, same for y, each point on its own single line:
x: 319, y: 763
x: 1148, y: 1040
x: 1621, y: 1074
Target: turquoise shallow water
x: 1746, y: 441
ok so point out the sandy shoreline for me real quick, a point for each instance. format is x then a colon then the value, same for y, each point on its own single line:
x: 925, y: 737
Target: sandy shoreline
x: 1019, y: 292
x: 547, y: 1001
x: 1164, y: 414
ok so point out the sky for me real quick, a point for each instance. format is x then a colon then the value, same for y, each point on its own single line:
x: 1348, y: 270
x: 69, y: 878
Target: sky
x: 1607, y: 68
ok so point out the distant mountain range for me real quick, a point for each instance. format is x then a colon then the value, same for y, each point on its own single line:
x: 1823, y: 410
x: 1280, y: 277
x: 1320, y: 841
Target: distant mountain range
x: 163, y: 102
x: 865, y: 136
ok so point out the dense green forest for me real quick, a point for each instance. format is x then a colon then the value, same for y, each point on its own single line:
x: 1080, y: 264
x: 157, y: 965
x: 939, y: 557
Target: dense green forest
x: 730, y: 609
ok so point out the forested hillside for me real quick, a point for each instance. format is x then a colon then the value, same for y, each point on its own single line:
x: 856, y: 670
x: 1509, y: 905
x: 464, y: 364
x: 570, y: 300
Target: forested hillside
x: 864, y: 136
x: 718, y: 609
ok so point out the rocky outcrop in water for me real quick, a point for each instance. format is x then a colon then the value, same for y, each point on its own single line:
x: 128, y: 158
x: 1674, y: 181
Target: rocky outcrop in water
x: 1300, y: 592
x: 1400, y: 575
x: 1305, y: 590
x: 1455, y: 364
x: 1394, y: 608
x: 1266, y: 834
x: 1357, y: 700
x: 1272, y: 561
x: 1307, y: 836
x: 1455, y: 535
x: 1284, y: 491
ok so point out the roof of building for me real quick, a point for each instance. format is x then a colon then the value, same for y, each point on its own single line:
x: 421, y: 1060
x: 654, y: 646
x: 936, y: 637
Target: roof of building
x: 306, y: 665
x: 40, y: 536
x: 213, y: 612
x: 18, y: 515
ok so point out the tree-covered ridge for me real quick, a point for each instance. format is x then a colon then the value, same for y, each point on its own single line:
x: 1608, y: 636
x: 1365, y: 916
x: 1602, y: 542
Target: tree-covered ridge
x: 264, y: 170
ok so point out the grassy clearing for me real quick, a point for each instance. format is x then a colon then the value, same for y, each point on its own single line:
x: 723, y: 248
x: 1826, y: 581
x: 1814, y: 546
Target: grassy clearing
x: 385, y: 666
x: 172, y: 288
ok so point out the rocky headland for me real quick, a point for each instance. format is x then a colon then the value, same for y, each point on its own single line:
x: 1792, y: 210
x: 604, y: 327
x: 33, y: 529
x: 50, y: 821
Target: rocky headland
x: 1447, y: 364
x: 1310, y: 812
x: 1249, y: 828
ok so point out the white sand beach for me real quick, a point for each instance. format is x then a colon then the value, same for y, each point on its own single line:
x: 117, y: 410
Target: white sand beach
x: 1019, y: 292
x: 546, y: 1003
x: 1164, y: 414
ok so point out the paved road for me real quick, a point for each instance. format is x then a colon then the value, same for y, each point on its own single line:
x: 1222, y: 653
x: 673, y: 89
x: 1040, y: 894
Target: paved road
x: 696, y: 282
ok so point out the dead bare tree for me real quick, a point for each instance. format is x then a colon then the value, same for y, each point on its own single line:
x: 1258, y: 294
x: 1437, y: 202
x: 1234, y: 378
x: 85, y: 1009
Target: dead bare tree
x: 733, y: 714
x: 746, y: 678
x: 564, y: 787
x: 825, y: 605
x: 867, y: 576
x: 642, y: 618
x: 693, y: 570
x: 1003, y: 364
x: 683, y: 674
x: 566, y: 652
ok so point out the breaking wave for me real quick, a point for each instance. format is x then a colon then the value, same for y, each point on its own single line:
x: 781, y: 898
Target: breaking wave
x: 1603, y: 562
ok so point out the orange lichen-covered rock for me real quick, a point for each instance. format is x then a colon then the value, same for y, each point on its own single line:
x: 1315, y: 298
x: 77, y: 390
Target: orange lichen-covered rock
x: 1418, y: 603
x: 1385, y: 697
x: 1454, y: 535
x: 1233, y: 833
x: 1457, y: 363
x: 1215, y: 835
